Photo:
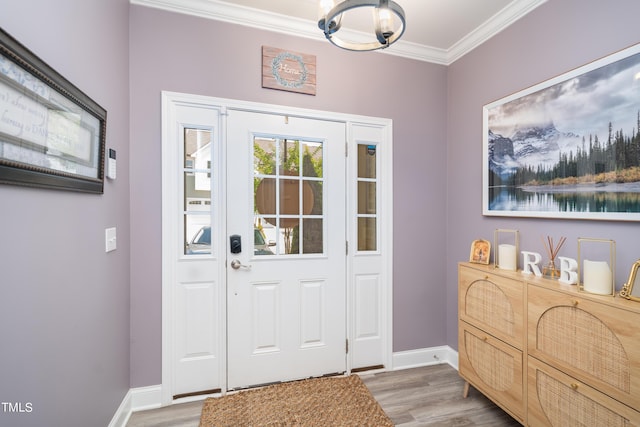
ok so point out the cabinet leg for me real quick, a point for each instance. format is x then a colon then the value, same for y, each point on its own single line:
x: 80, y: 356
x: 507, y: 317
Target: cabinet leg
x: 465, y: 390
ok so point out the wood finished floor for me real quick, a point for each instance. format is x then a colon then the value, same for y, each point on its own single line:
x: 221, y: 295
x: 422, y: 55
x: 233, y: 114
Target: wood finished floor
x: 418, y: 397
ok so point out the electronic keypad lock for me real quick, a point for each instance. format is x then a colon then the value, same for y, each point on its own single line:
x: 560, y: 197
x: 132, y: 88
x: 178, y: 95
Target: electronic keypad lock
x: 235, y: 243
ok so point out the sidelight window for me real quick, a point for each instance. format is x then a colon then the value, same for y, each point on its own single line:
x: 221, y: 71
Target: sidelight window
x: 367, y: 201
x: 197, y: 149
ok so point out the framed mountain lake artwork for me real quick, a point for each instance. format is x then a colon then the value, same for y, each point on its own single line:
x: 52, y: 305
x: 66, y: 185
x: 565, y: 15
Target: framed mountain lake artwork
x: 568, y: 147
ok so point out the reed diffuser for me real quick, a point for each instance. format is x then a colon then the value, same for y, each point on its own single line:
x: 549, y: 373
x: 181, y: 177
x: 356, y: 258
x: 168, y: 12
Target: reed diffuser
x: 549, y: 269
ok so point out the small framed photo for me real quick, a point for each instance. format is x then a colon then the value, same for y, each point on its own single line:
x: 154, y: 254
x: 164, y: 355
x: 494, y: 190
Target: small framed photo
x: 480, y: 251
x: 631, y: 289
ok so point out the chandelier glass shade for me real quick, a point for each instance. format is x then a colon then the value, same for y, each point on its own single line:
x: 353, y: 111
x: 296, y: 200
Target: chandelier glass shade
x: 384, y: 12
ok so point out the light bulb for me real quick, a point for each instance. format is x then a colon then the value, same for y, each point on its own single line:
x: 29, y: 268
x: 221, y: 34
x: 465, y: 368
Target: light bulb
x: 385, y: 19
x: 324, y: 6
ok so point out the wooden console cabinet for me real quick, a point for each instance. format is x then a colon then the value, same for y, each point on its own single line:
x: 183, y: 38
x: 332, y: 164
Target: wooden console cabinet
x: 491, y: 338
x: 546, y: 353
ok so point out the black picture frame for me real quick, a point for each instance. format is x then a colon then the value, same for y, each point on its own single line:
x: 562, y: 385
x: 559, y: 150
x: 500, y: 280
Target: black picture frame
x: 52, y: 135
x: 567, y: 147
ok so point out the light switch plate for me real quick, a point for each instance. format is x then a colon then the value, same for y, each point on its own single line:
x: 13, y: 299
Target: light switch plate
x: 110, y: 239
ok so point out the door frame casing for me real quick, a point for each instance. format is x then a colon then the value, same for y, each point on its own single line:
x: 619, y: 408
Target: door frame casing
x: 355, y: 125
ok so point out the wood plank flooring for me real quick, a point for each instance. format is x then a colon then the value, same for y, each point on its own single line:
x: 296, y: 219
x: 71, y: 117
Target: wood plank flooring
x: 418, y: 397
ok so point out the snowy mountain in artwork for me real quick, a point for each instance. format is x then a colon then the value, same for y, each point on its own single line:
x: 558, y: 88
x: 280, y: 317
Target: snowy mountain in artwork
x: 532, y: 146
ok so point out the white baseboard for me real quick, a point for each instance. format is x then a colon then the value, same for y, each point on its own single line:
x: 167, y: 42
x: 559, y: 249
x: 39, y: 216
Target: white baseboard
x: 143, y: 398
x: 425, y: 357
x: 137, y: 399
x: 123, y: 413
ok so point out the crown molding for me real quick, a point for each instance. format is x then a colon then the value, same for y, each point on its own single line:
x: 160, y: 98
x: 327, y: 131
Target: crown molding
x: 264, y: 20
x: 498, y: 22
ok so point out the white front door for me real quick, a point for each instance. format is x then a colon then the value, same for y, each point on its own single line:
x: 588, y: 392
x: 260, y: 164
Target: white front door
x: 279, y: 184
x: 286, y: 261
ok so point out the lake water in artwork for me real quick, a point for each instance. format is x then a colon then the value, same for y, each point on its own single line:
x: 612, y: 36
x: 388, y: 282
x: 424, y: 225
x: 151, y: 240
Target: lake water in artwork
x: 587, y: 198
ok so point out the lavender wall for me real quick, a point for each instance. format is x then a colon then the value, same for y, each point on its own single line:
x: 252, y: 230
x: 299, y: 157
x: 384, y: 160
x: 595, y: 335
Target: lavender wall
x: 555, y: 38
x: 64, y: 302
x: 186, y: 54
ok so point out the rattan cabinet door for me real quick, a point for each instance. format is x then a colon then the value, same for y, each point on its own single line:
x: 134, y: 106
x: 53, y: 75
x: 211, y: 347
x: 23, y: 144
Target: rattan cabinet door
x: 558, y: 400
x: 591, y: 338
x: 493, y: 303
x: 492, y: 367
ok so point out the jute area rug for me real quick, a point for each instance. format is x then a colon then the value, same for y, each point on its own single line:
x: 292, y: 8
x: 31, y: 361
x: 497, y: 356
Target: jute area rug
x: 331, y: 401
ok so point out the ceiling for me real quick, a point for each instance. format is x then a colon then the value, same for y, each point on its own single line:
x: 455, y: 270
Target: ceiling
x: 439, y: 31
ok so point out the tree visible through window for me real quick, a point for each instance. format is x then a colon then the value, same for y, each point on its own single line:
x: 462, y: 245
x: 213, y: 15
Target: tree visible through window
x: 288, y: 189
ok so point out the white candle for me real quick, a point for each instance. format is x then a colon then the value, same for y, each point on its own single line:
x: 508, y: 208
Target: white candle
x: 597, y: 277
x: 507, y: 257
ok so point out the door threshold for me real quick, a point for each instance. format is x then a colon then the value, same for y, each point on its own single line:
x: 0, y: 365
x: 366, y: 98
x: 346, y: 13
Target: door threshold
x: 197, y: 393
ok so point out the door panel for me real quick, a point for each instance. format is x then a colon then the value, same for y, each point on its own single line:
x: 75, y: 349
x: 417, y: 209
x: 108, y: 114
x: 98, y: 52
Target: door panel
x: 197, y: 349
x: 286, y: 301
x: 312, y: 311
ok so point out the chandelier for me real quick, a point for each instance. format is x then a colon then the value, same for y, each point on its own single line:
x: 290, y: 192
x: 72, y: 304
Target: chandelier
x: 330, y: 21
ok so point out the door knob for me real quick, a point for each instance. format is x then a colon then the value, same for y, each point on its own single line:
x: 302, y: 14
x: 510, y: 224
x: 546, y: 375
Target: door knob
x: 236, y: 264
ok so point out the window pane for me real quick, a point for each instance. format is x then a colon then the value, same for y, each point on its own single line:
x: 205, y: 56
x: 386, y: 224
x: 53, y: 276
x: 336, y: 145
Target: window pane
x: 261, y: 246
x: 312, y: 236
x: 197, y: 191
x: 289, y: 197
x: 267, y: 228
x: 366, y: 197
x: 197, y: 234
x: 366, y: 161
x: 289, y: 229
x: 265, y: 197
x: 367, y: 234
x: 289, y: 157
x: 197, y: 148
x: 312, y: 159
x: 264, y: 156
x: 312, y: 197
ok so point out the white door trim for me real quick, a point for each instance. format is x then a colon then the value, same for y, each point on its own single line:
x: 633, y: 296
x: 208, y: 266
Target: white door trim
x: 385, y: 228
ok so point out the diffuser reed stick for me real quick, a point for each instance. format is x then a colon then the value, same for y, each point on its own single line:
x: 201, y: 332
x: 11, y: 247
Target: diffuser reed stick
x: 552, y: 252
